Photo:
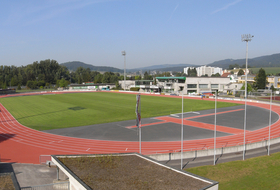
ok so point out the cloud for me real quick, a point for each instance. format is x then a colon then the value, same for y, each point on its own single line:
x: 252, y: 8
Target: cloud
x: 34, y: 12
x: 226, y: 7
x: 173, y: 12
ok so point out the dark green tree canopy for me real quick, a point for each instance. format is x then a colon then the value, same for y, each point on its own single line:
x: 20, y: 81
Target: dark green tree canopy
x: 260, y: 79
x: 240, y: 72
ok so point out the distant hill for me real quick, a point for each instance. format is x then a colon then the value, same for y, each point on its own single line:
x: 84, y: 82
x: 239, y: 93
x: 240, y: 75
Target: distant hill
x: 164, y: 68
x: 73, y: 65
x: 263, y: 61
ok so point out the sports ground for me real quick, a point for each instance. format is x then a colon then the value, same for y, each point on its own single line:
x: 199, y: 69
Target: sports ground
x: 159, y: 134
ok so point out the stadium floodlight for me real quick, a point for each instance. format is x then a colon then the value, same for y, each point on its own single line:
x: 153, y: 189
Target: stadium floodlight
x: 182, y: 131
x: 245, y: 38
x: 124, y: 71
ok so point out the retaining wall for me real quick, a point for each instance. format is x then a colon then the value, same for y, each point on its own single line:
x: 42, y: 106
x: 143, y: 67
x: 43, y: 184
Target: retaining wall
x: 210, y: 152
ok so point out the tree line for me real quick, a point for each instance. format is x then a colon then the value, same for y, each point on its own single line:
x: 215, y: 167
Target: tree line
x: 47, y: 73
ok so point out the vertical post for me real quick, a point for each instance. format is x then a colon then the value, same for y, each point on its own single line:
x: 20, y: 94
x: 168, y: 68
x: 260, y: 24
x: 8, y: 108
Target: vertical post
x: 182, y: 131
x: 245, y: 38
x: 124, y: 71
x: 138, y: 118
x: 57, y: 169
x: 245, y: 96
x: 268, y: 147
x: 140, y: 127
x: 215, y: 128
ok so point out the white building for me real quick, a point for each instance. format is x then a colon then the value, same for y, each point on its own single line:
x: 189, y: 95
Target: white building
x: 205, y: 70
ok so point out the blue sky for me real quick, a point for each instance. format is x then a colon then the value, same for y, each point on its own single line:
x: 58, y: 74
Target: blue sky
x: 152, y: 32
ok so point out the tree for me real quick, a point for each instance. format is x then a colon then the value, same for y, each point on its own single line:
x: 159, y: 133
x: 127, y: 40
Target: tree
x: 63, y: 83
x: 216, y: 75
x: 240, y: 72
x: 249, y: 87
x: 147, y: 76
x: 260, y: 79
x: 138, y: 77
x: 272, y: 88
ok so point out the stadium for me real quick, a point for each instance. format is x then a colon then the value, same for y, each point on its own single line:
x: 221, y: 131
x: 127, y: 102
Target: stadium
x: 160, y: 135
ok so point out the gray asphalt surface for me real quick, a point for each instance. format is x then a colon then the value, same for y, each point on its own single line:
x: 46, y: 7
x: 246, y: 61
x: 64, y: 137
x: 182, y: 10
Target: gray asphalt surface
x: 117, y: 131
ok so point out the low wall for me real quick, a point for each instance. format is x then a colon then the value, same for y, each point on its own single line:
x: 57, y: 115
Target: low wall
x: 210, y: 152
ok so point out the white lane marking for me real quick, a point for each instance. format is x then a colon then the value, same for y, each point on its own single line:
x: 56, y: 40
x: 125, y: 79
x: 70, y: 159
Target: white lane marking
x: 88, y: 149
x: 126, y: 149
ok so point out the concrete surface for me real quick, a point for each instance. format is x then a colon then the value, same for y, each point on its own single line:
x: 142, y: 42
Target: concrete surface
x: 32, y: 174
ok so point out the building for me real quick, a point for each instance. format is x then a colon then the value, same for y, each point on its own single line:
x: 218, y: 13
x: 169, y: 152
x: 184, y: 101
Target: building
x: 250, y: 79
x: 143, y: 85
x: 192, y: 84
x: 273, y: 80
x: 205, y: 70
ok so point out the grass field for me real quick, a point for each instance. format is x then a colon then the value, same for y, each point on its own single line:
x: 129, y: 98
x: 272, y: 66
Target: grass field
x: 44, y: 112
x: 255, y: 173
x: 268, y: 70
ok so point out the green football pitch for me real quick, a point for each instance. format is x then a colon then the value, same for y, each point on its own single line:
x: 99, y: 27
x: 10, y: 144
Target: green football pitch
x: 43, y: 112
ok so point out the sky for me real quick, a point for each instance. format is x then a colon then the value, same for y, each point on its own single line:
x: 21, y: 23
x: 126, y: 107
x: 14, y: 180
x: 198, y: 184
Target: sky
x: 152, y: 32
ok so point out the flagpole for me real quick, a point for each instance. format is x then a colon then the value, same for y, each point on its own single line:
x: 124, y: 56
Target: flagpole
x: 268, y: 147
x: 215, y: 129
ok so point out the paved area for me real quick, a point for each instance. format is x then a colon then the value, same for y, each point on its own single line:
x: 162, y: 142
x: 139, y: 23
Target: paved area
x: 153, y: 130
x: 32, y: 174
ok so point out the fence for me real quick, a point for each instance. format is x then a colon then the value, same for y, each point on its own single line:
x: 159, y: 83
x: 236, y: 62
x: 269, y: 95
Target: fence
x: 53, y: 186
x: 45, y: 159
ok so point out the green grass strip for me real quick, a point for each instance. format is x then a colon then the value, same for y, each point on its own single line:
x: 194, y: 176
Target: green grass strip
x: 255, y: 173
x: 44, y: 112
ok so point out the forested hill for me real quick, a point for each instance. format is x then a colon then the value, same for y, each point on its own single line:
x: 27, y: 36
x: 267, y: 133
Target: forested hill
x: 263, y: 61
x: 73, y: 65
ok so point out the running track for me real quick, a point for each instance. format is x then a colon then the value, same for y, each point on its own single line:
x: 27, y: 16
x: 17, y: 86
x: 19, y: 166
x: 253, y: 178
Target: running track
x: 24, y: 145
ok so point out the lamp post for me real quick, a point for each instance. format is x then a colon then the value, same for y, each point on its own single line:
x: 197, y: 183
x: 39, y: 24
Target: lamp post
x: 245, y: 38
x: 124, y: 71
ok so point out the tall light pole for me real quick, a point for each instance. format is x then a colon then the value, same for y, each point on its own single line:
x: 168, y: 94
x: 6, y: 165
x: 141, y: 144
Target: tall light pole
x: 182, y: 131
x: 124, y: 71
x: 245, y: 38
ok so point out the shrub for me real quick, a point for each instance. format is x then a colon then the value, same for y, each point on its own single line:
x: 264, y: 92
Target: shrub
x: 134, y: 89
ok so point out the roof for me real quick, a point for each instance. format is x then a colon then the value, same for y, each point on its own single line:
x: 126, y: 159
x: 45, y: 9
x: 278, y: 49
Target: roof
x: 180, y: 78
x: 225, y: 74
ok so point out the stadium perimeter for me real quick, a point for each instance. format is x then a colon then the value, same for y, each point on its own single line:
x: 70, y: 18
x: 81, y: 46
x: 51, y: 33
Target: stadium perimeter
x: 159, y: 135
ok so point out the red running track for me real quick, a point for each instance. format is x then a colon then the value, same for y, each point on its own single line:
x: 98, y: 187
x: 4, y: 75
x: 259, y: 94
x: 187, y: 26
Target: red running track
x: 24, y: 145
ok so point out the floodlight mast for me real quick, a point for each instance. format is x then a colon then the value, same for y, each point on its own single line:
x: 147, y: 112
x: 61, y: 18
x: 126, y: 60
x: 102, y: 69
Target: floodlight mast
x: 245, y: 38
x: 124, y: 71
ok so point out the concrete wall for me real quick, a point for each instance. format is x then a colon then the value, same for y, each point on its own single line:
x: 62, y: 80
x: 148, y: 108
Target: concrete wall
x: 210, y: 152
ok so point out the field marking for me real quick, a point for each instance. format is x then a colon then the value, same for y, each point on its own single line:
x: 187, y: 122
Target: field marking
x: 88, y: 149
x: 205, y: 115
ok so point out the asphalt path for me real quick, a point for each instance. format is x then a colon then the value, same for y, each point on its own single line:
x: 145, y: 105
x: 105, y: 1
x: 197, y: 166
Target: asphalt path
x: 155, y: 129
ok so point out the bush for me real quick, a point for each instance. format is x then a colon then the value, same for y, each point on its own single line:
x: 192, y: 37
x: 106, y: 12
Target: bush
x: 134, y: 89
x: 19, y: 87
x: 237, y: 94
x: 31, y: 84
